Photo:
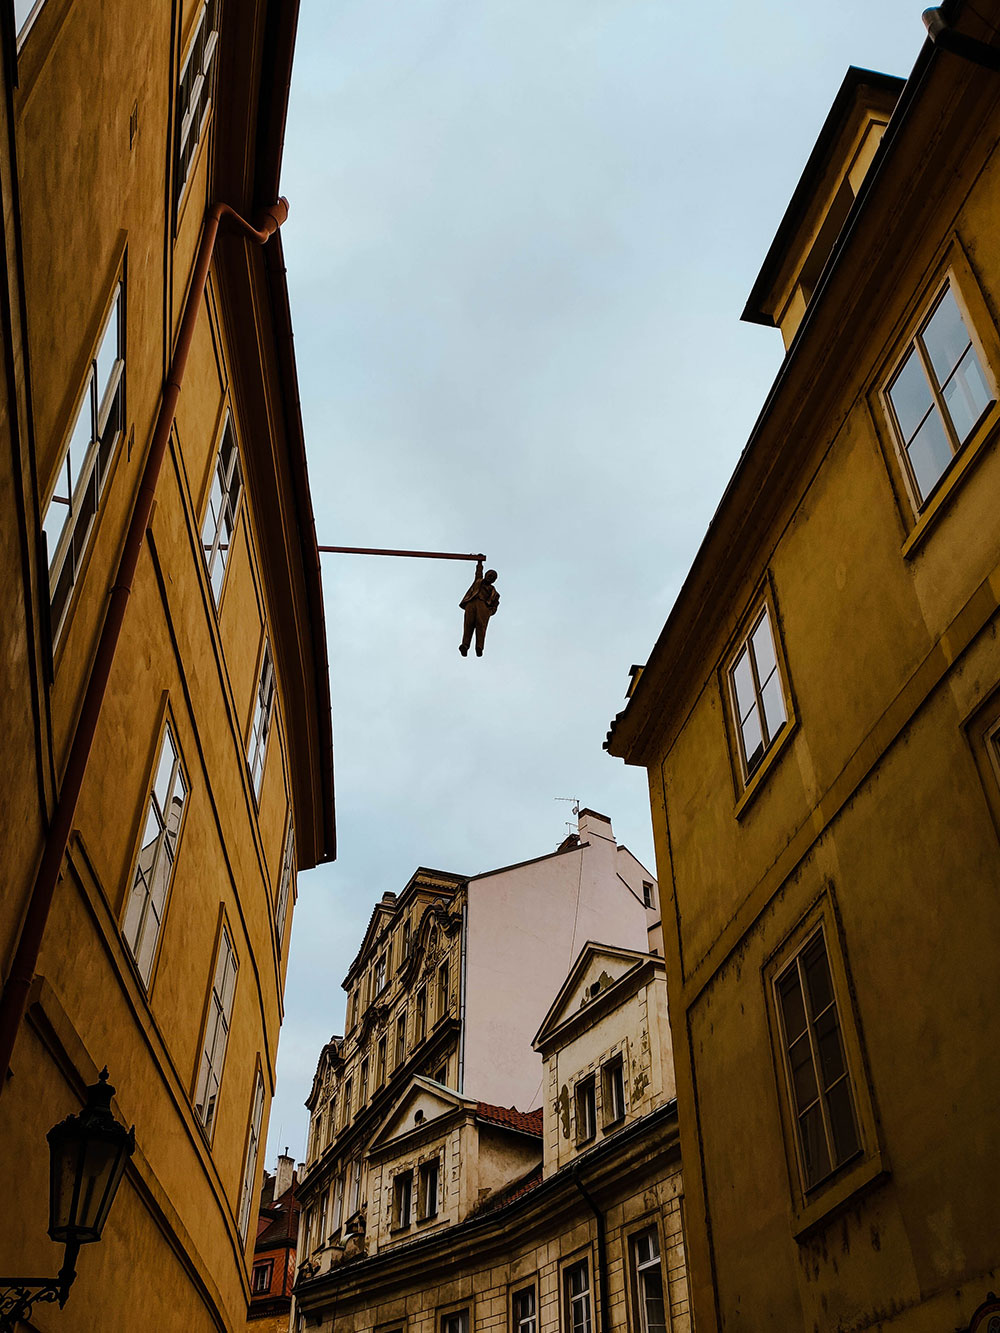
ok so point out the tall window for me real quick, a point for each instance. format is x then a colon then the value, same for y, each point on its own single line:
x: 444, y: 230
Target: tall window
x: 586, y: 1110
x: 420, y: 1018
x: 458, y: 1322
x: 406, y: 940
x: 213, y: 1055
x: 262, y: 715
x: 613, y: 1091
x: 347, y: 1103
x: 524, y: 1315
x: 363, y: 1085
x: 86, y: 460
x: 378, y: 983
x: 355, y: 1198
x: 284, y: 884
x: 400, y: 1038
x: 380, y: 1062
x: 260, y: 1278
x: 442, y: 989
x: 576, y: 1289
x: 323, y: 1207
x: 938, y: 395
x: 757, y: 693
x: 154, y: 866
x: 818, y: 1081
x: 223, y: 506
x: 253, y: 1144
x: 648, y: 1278
x: 427, y: 1202
x: 402, y: 1191
x: 338, y: 1203
x: 194, y: 92
x: 331, y: 1120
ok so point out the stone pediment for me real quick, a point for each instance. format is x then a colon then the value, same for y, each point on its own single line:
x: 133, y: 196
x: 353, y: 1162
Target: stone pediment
x: 597, y: 968
x: 423, y: 1102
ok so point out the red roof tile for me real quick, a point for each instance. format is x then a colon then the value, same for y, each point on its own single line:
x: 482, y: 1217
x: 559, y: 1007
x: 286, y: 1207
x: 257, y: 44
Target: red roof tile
x: 528, y: 1122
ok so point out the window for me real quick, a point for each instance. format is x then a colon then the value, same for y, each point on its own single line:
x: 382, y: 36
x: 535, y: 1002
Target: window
x: 354, y: 1006
x: 338, y: 1203
x: 347, y: 1103
x: 223, y: 507
x: 154, y: 866
x: 443, y: 989
x: 818, y: 1082
x: 455, y: 1323
x: 194, y: 92
x: 363, y: 1086
x: 260, y: 1278
x: 355, y: 1195
x: 402, y: 1189
x: 586, y: 1112
x: 524, y: 1317
x: 648, y: 1279
x: 938, y: 395
x: 263, y: 710
x: 253, y: 1144
x: 324, y: 1205
x: 400, y: 1038
x: 427, y: 1202
x: 83, y: 469
x: 613, y: 1091
x: 757, y: 694
x: 647, y: 894
x: 213, y: 1055
x: 420, y: 1020
x: 576, y: 1288
x: 406, y: 940
x: 378, y: 985
x: 440, y: 1075
x: 380, y: 1062
x: 284, y: 884
x: 331, y: 1120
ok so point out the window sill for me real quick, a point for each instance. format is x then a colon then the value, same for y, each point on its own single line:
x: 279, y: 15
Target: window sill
x: 842, y: 1191
x: 609, y: 1125
x: 757, y: 779
x: 950, y: 482
x: 582, y: 1143
x: 423, y: 1221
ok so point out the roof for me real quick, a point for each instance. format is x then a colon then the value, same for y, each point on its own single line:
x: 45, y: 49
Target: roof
x: 526, y: 1122
x: 515, y: 1190
x: 284, y: 1220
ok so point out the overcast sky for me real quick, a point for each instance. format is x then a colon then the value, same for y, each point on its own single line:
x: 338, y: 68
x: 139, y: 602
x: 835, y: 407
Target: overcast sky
x: 521, y: 237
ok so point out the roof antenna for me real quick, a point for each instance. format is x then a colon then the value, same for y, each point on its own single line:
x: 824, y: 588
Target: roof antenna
x: 570, y: 824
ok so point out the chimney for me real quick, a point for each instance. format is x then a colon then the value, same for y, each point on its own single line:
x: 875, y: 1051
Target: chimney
x: 283, y: 1176
x: 593, y: 826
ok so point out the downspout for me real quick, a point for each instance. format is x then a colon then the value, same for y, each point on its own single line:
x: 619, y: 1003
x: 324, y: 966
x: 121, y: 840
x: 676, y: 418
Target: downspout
x: 942, y: 34
x: 602, y: 1250
x: 463, y: 973
x: 16, y: 987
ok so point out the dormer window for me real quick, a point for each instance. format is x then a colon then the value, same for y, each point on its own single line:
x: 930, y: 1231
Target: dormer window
x: 586, y: 1110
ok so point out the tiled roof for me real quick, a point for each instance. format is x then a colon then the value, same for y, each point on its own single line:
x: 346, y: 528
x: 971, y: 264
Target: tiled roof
x: 528, y: 1122
x: 524, y: 1185
x: 284, y: 1223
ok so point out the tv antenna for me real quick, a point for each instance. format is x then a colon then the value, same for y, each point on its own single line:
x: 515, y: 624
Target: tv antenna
x: 575, y: 801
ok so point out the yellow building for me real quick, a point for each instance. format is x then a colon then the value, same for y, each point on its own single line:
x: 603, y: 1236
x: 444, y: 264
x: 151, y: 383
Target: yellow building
x: 167, y: 744
x: 820, y: 721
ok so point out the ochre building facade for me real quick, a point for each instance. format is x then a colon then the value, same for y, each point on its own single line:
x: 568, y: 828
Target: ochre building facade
x: 820, y: 720
x: 208, y: 780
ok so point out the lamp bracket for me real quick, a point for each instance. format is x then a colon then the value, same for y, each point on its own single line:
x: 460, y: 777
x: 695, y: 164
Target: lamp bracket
x: 18, y: 1299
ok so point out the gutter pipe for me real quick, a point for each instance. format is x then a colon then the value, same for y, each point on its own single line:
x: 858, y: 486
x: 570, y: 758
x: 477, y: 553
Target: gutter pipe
x: 15, y: 992
x: 942, y: 34
x: 602, y: 1249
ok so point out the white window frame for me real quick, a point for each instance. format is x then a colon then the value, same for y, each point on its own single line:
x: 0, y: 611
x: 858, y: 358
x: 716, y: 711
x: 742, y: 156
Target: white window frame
x: 428, y: 1184
x: 577, y: 1303
x: 585, y: 1102
x: 217, y: 1025
x: 85, y: 463
x: 642, y: 1270
x: 771, y: 729
x: 253, y: 1147
x: 402, y: 1199
x: 613, y: 1090
x: 263, y: 719
x: 455, y: 1322
x: 265, y: 1266
x: 152, y: 874
x: 284, y: 884
x: 192, y: 110
x: 222, y: 509
x: 524, y: 1320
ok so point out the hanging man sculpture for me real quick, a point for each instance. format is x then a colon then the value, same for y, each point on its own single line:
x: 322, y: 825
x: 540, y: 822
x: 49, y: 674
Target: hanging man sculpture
x: 479, y: 603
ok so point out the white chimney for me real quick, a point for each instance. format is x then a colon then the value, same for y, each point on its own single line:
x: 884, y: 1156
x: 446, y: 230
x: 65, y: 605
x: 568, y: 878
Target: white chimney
x: 593, y: 826
x: 283, y: 1175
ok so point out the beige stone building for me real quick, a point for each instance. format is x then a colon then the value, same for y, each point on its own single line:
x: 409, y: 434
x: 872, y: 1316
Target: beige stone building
x: 488, y: 1218
x: 451, y: 982
x: 820, y: 722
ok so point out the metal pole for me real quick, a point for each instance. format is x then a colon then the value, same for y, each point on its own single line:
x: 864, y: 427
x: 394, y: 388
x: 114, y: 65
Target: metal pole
x: 421, y: 555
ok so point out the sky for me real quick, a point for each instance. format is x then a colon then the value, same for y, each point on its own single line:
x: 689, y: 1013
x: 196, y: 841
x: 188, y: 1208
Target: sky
x: 521, y: 236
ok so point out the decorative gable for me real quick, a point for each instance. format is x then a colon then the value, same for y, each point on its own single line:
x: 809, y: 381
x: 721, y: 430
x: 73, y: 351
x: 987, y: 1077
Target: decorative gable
x: 597, y: 968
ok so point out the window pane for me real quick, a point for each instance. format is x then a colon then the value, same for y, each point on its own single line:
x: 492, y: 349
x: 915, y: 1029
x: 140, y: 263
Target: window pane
x: 930, y: 454
x: 743, y: 681
x: 945, y: 337
x: 774, y: 705
x: 815, y: 1156
x: 651, y: 1288
x: 817, y: 971
x: 107, y: 352
x: 753, y: 741
x: 966, y: 395
x: 763, y: 649
x: 845, y: 1133
x: 800, y: 1063
x: 831, y: 1054
x: 164, y: 769
x: 911, y: 396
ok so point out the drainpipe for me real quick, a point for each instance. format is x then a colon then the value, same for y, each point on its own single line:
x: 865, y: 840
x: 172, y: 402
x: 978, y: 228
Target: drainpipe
x: 15, y: 991
x: 602, y: 1250
x: 942, y: 34
x: 463, y: 974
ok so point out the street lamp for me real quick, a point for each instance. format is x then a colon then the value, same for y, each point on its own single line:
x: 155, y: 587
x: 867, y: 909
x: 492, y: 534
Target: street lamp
x: 87, y: 1158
